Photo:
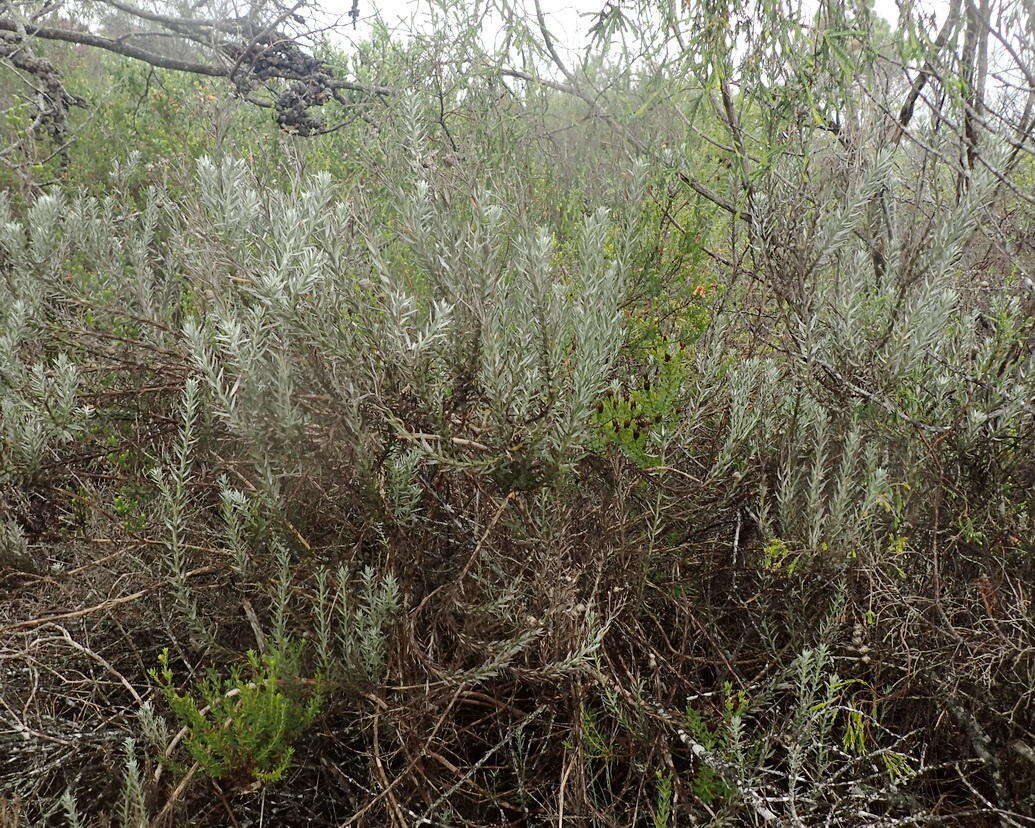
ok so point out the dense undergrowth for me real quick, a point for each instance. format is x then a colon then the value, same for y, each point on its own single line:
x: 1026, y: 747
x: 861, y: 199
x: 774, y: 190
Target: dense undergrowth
x: 472, y: 469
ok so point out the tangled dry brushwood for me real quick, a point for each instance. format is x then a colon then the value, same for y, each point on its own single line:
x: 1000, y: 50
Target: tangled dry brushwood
x: 675, y: 507
x: 554, y: 644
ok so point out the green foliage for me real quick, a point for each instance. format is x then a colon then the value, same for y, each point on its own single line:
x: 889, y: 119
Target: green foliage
x: 593, y: 743
x: 663, y: 801
x: 130, y: 504
x: 721, y: 738
x: 635, y: 417
x: 243, y: 727
x: 777, y: 557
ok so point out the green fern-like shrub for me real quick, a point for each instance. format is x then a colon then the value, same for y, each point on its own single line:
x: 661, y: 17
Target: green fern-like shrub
x: 243, y: 727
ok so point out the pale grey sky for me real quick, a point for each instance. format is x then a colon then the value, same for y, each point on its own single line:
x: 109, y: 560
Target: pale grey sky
x: 567, y: 19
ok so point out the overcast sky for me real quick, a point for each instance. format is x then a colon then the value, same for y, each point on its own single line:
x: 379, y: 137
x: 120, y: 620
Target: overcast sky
x: 568, y: 20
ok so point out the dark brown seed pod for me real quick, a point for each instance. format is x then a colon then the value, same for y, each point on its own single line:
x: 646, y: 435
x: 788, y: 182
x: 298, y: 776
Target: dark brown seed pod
x: 668, y: 356
x: 636, y: 434
x: 657, y: 417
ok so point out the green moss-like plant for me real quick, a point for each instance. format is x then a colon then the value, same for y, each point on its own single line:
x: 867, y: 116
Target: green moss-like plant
x: 243, y: 728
